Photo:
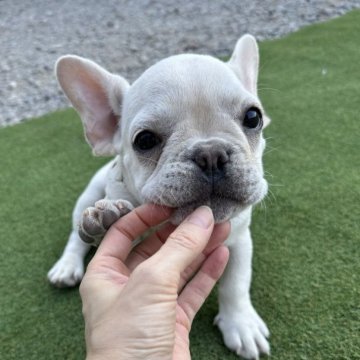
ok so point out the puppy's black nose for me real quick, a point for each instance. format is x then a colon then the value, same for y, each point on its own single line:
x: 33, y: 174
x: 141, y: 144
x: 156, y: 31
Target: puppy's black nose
x: 211, y: 158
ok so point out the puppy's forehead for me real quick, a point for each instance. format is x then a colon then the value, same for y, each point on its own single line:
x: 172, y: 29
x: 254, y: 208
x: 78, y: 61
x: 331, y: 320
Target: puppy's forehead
x: 185, y: 83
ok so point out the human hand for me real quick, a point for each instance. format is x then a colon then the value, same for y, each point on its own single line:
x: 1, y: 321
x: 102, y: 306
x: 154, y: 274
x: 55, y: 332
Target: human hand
x: 140, y: 303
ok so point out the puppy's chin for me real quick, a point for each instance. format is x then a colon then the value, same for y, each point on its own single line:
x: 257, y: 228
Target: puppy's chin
x: 223, y: 210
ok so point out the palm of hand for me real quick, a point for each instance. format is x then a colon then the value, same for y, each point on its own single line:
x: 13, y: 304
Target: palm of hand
x: 171, y: 335
x: 138, y: 303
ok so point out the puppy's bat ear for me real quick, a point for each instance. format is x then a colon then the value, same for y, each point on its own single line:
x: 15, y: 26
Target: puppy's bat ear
x: 97, y: 96
x: 245, y: 62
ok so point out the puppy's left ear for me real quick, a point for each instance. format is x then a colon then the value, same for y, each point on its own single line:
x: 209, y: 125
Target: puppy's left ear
x: 245, y: 62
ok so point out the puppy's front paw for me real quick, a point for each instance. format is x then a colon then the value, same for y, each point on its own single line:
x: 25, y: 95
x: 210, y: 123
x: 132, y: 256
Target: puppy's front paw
x: 97, y: 220
x: 244, y: 332
x: 68, y: 271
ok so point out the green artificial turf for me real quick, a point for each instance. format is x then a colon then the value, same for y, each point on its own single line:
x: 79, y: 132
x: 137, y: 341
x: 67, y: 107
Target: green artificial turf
x: 306, y: 282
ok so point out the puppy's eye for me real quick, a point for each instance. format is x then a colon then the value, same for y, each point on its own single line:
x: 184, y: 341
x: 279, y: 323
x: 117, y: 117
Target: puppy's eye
x: 253, y: 119
x: 146, y: 140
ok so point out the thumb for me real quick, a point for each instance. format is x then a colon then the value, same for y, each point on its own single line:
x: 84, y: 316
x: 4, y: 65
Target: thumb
x: 187, y: 242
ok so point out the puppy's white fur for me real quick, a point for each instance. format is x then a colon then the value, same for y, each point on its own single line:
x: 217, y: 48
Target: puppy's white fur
x: 195, y: 104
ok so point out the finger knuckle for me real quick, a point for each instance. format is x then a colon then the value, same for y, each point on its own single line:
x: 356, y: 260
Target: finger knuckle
x: 184, y: 239
x: 147, y: 273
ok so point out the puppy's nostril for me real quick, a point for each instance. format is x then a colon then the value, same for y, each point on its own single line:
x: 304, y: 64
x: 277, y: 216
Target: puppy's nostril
x: 202, y: 160
x: 222, y: 159
x: 211, y: 160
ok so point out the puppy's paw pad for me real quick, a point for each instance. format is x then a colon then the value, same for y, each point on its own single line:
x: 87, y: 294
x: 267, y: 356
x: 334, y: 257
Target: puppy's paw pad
x: 91, y: 221
x: 97, y: 220
x: 67, y: 272
x: 111, y: 211
x: 244, y: 333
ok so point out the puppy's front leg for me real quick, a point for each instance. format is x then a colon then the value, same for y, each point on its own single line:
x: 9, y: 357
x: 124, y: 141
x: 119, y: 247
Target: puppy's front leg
x: 243, y: 330
x: 95, y: 221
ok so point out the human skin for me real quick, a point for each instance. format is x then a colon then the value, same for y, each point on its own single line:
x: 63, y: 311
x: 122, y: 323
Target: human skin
x: 139, y: 303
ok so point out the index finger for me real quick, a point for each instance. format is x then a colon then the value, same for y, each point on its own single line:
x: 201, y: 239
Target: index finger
x: 117, y: 242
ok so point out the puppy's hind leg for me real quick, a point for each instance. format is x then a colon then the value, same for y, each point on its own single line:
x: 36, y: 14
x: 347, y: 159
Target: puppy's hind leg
x: 69, y: 269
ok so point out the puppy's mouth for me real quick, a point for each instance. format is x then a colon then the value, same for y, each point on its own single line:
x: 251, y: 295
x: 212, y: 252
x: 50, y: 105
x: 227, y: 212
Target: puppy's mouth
x: 187, y: 190
x: 223, y: 208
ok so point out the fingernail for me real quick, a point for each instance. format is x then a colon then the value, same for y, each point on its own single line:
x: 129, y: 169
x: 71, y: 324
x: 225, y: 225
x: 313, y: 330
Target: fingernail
x: 202, y: 217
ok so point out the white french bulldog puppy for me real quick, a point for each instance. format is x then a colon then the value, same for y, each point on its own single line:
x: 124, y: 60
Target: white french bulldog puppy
x: 187, y: 133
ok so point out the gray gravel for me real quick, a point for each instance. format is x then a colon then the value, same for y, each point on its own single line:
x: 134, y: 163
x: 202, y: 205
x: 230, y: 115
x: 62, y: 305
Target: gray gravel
x: 128, y: 36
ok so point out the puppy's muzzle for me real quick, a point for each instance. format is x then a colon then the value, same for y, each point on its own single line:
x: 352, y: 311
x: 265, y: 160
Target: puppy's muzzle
x: 211, y: 158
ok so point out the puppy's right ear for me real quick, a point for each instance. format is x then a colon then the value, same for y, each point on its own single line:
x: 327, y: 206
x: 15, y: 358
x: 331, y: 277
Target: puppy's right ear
x: 97, y: 95
x: 244, y: 62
